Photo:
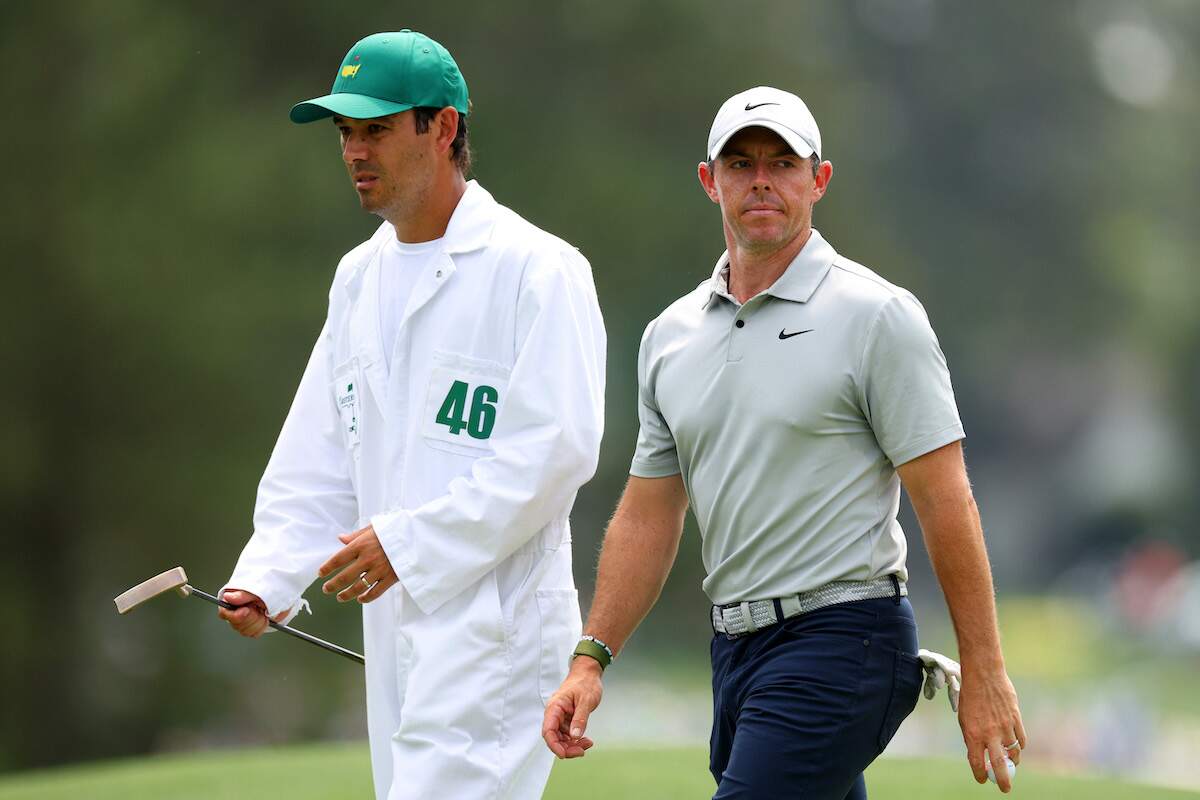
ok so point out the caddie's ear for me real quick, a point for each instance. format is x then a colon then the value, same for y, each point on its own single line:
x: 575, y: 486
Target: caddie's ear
x: 708, y: 182
x: 446, y: 127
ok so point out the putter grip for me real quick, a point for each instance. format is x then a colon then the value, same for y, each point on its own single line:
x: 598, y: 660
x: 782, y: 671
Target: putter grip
x: 333, y: 648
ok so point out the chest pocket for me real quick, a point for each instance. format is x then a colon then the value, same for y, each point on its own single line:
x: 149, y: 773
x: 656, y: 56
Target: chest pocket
x: 347, y: 394
x: 463, y: 403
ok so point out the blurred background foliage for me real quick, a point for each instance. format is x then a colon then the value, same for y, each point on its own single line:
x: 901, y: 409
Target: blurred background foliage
x: 1029, y: 170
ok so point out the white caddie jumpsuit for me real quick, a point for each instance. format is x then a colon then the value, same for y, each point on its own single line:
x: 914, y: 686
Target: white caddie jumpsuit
x: 466, y: 458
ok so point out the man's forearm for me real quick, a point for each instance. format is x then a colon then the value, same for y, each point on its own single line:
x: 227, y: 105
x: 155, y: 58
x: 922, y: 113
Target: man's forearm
x: 639, y: 549
x: 954, y: 539
x: 940, y: 491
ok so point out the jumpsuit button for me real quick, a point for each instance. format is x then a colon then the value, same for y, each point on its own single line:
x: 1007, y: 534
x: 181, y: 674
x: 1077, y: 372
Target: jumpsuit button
x: 741, y: 323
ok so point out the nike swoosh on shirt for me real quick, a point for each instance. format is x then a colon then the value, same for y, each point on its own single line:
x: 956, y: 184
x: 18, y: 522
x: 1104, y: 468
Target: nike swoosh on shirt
x: 756, y: 105
x: 783, y: 335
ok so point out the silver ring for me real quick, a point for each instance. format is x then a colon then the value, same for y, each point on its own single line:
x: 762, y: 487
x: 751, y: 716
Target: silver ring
x: 1014, y: 746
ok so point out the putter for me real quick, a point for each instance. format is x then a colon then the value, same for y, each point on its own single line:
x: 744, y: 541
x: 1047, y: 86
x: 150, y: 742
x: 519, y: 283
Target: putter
x: 177, y: 579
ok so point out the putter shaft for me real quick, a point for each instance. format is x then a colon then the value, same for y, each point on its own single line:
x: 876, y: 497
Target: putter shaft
x: 333, y: 648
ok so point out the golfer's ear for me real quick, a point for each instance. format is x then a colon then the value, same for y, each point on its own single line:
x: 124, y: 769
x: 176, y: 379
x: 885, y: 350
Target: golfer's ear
x: 821, y: 180
x: 704, y: 171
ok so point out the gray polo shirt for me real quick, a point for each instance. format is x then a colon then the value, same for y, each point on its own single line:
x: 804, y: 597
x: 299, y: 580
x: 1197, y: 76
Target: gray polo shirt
x: 787, y: 416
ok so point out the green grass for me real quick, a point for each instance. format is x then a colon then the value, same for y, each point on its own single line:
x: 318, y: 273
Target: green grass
x: 301, y: 773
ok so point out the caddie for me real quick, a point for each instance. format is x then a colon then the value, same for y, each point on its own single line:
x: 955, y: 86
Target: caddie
x: 451, y: 408
x: 786, y: 399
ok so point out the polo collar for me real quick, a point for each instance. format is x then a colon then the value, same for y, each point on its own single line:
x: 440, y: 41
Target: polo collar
x: 798, y: 281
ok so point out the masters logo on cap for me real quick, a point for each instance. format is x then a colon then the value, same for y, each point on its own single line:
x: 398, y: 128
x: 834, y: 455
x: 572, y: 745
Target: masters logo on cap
x: 776, y: 110
x: 387, y: 73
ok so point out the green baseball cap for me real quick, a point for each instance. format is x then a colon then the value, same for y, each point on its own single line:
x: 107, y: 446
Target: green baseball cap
x: 387, y: 73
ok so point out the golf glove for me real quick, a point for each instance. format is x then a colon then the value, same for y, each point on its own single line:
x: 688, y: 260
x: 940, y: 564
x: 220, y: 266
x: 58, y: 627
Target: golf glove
x: 941, y: 671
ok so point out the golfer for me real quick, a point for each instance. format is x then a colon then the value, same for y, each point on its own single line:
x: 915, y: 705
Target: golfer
x: 451, y: 408
x: 786, y: 399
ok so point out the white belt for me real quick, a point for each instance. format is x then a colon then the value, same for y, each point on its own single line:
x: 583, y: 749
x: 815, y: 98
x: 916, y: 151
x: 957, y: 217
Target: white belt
x: 738, y: 619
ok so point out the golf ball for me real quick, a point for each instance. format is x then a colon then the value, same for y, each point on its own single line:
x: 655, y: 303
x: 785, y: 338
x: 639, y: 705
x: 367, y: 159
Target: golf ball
x: 1012, y: 770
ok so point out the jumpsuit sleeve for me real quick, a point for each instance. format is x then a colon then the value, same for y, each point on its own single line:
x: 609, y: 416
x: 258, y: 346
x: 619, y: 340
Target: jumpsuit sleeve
x: 306, y: 497
x: 545, y: 444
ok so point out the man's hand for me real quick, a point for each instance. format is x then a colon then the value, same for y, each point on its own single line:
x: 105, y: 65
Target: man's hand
x: 990, y: 720
x: 567, y: 712
x: 367, y: 573
x: 250, y: 616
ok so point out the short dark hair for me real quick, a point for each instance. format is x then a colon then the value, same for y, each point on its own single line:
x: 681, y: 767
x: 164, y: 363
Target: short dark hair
x: 460, y: 148
x: 813, y: 159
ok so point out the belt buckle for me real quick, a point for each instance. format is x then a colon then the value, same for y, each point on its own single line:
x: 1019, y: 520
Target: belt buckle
x: 745, y: 618
x: 726, y: 621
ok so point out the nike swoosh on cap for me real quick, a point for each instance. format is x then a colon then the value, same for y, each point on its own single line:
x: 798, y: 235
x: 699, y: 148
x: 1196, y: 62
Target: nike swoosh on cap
x: 756, y: 105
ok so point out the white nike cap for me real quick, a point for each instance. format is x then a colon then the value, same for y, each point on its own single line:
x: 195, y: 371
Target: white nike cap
x: 782, y: 112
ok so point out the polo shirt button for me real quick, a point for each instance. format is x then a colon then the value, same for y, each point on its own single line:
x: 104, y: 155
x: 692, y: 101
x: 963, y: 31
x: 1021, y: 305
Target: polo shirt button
x: 741, y: 323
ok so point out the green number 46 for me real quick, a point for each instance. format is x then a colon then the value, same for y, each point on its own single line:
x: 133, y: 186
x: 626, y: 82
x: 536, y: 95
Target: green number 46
x: 453, y: 413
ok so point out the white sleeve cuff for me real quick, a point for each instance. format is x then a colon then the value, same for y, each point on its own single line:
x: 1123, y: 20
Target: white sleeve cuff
x: 301, y: 605
x: 394, y: 531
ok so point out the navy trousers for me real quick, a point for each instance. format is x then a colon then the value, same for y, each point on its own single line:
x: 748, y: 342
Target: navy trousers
x: 801, y: 708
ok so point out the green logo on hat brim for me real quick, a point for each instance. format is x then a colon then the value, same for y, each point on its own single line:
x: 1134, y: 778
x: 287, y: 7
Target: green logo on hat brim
x: 344, y: 104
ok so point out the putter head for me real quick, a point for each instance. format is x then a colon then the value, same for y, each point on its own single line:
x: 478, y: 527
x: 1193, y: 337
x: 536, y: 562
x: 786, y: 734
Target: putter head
x: 171, y: 579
